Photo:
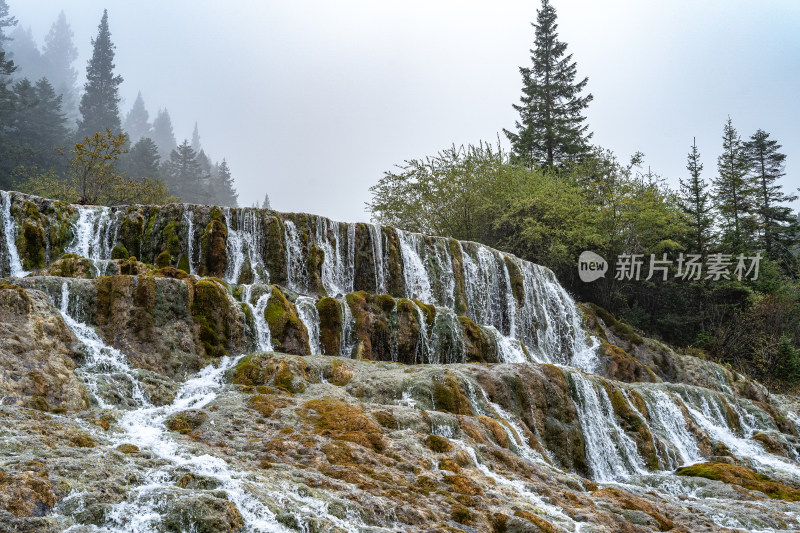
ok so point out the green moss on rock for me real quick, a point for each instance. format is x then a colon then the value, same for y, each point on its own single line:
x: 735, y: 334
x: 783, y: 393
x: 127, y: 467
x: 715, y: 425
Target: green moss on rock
x: 211, y: 311
x: 743, y: 477
x: 119, y: 252
x: 289, y: 334
x: 330, y: 325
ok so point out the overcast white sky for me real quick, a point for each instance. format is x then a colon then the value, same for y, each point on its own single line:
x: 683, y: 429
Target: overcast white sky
x: 312, y: 101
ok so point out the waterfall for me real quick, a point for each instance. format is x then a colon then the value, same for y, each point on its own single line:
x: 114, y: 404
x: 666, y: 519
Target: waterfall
x: 417, y: 283
x: 296, y: 271
x: 348, y: 325
x: 94, y: 233
x: 376, y: 236
x: 610, y: 453
x: 423, y: 352
x: 188, y: 218
x: 667, y: 420
x: 245, y: 241
x: 309, y: 316
x: 486, y: 289
x: 708, y: 410
x: 339, y: 256
x: 10, y: 232
x: 509, y: 350
x: 263, y: 337
x: 447, y: 338
x: 104, y: 365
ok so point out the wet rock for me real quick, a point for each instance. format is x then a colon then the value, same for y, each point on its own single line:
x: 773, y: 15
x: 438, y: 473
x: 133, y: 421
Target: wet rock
x: 37, y: 353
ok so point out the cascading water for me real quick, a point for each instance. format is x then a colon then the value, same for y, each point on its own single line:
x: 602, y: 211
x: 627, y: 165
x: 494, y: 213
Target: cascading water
x: 447, y: 338
x: 348, y: 324
x: 485, y: 286
x: 611, y: 454
x: 307, y: 311
x: 339, y: 261
x: 667, y: 420
x: 105, y: 371
x: 263, y: 337
x: 188, y: 218
x: 509, y: 350
x: 376, y: 236
x: 94, y: 233
x: 10, y: 233
x: 417, y: 283
x: 245, y: 242
x: 296, y: 271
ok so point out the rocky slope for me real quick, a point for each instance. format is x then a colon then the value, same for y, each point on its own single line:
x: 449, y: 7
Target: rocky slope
x: 187, y: 368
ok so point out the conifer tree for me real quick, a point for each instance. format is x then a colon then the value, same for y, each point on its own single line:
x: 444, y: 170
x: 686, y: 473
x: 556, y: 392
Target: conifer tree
x: 137, y: 121
x: 6, y: 21
x: 734, y: 193
x: 224, y: 188
x: 695, y: 201
x: 266, y: 204
x: 184, y: 175
x: 551, y: 129
x: 196, y: 139
x: 59, y: 54
x: 776, y: 223
x: 40, y: 122
x: 8, y: 146
x: 143, y: 160
x: 26, y: 54
x: 100, y: 101
x: 163, y: 135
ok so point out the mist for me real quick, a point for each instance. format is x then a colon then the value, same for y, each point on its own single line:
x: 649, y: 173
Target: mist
x: 311, y: 101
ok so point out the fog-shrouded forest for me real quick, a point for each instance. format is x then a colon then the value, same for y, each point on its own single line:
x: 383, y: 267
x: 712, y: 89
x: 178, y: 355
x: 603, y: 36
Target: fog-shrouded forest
x: 57, y: 137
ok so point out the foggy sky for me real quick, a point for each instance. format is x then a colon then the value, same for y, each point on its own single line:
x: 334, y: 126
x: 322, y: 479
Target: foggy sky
x: 311, y: 101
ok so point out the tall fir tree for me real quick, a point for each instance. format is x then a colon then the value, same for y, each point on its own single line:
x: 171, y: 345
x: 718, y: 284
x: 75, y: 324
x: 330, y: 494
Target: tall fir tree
x: 185, y: 177
x: 142, y: 161
x: 137, y: 121
x: 26, y: 55
x: 196, y: 146
x: 695, y: 201
x: 223, y: 186
x: 776, y: 223
x: 100, y: 101
x: 6, y: 21
x: 551, y: 129
x: 163, y: 135
x: 734, y: 193
x: 41, y: 124
x: 59, y: 54
x: 8, y: 145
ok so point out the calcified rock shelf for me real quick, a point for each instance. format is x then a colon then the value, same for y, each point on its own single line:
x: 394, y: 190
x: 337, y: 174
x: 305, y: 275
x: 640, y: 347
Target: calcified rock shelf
x: 191, y: 368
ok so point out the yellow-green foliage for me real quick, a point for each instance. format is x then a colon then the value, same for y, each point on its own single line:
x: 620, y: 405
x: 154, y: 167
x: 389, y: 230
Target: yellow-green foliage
x: 211, y: 312
x: 340, y: 373
x: 330, y: 325
x: 630, y: 502
x: 186, y: 422
x: 342, y: 421
x: 288, y: 332
x: 171, y: 238
x: 259, y: 370
x: 438, y: 444
x: 164, y: 259
x: 449, y: 396
x: 743, y: 477
x: 119, y: 252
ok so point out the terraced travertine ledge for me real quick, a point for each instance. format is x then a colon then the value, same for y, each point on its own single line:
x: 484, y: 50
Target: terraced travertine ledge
x: 142, y: 388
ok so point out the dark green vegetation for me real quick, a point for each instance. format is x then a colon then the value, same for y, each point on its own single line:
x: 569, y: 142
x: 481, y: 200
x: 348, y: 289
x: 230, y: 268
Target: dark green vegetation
x: 555, y: 196
x: 41, y: 122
